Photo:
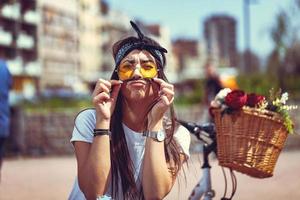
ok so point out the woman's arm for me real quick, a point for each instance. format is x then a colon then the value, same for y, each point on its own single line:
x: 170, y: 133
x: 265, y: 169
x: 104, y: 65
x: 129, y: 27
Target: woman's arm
x: 158, y: 177
x: 93, y: 161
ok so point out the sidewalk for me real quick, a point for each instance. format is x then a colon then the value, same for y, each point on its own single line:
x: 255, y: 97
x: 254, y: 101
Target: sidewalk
x: 52, y: 178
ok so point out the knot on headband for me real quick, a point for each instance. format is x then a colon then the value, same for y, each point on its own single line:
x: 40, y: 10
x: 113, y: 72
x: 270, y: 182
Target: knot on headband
x: 155, y: 50
x: 136, y: 28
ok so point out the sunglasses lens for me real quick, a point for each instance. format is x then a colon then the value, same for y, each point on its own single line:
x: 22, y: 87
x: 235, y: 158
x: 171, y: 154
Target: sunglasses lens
x: 125, y: 72
x: 148, y: 70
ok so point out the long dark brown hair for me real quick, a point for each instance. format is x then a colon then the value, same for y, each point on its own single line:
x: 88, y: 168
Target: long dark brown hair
x: 121, y: 163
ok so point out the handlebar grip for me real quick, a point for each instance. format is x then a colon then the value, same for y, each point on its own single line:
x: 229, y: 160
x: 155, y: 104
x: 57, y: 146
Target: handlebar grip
x: 192, y: 127
x: 205, y: 132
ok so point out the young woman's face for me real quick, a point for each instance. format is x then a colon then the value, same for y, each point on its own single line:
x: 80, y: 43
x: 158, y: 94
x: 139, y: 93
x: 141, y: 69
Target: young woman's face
x: 135, y: 70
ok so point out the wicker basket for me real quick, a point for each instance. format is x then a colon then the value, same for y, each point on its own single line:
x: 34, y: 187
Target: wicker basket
x: 249, y: 140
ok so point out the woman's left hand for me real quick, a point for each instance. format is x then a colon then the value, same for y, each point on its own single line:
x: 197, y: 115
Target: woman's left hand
x: 166, y: 98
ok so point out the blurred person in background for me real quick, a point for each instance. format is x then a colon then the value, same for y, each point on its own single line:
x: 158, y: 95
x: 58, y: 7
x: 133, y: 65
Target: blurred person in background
x: 125, y: 147
x: 5, y: 85
x: 212, y: 83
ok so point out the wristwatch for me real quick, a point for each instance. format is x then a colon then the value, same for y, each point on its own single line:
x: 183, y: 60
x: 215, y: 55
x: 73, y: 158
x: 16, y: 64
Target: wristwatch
x: 156, y: 135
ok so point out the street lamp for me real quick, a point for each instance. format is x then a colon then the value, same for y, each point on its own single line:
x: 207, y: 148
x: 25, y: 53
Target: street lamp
x: 247, y: 33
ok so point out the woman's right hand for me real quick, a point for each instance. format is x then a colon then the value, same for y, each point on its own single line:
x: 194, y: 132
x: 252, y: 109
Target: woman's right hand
x: 104, y: 99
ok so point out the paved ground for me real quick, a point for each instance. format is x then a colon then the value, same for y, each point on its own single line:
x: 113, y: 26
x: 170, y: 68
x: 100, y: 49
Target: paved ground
x: 51, y: 179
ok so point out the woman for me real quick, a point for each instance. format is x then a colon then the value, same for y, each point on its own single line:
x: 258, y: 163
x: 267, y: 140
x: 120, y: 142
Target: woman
x: 124, y: 148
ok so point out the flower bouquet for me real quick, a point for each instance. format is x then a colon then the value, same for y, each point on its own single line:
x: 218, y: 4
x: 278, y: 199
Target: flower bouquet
x: 251, y: 130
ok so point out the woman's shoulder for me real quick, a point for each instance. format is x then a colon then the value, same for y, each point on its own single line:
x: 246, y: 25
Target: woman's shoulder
x: 88, y: 114
x: 84, y: 125
x: 182, y: 132
x: 183, y: 138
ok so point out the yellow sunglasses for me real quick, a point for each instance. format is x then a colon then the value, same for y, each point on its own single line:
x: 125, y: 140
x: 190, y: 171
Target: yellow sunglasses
x: 126, y: 70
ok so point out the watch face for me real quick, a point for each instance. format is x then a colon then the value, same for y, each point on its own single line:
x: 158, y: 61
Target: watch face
x: 160, y: 136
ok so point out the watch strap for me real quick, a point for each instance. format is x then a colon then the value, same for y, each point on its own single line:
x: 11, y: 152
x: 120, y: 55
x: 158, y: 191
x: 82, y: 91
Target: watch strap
x: 157, y: 135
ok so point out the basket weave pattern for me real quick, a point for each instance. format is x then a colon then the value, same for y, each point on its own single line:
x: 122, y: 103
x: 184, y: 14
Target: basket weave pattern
x: 249, y: 140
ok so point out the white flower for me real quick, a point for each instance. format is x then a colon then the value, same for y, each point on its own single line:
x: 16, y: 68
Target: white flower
x: 215, y: 104
x: 219, y: 98
x: 222, y: 94
x: 284, y: 97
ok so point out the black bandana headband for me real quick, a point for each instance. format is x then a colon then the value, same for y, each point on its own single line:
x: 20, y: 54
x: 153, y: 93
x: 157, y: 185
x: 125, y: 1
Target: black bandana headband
x: 156, y: 51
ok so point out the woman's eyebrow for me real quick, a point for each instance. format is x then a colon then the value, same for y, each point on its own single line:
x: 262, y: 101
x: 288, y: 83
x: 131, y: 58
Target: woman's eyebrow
x: 147, y: 60
x: 130, y: 60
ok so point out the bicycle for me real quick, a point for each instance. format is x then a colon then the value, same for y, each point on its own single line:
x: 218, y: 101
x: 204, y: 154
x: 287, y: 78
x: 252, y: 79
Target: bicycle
x: 207, y: 134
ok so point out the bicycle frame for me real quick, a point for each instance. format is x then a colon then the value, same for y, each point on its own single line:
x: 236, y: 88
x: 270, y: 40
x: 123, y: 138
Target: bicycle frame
x: 205, y: 133
x: 204, y: 188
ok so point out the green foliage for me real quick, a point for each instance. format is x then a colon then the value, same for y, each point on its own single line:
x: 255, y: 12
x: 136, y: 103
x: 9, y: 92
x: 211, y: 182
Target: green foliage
x: 193, y: 96
x: 257, y: 83
x: 55, y: 103
x: 292, y: 85
x: 262, y: 83
x: 279, y: 103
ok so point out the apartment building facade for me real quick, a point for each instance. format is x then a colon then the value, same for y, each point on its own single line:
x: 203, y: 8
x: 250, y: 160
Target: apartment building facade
x: 59, y: 44
x: 19, y: 45
x: 90, y: 23
x: 220, y: 35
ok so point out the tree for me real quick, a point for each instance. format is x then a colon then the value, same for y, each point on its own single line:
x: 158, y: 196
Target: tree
x: 284, y: 35
x: 254, y: 66
x: 293, y: 59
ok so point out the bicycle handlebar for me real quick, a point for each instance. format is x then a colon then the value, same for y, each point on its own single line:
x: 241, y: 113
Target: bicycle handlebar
x: 205, y: 132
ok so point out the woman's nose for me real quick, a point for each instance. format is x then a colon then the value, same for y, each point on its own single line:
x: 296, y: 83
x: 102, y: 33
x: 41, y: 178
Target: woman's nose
x: 137, y: 72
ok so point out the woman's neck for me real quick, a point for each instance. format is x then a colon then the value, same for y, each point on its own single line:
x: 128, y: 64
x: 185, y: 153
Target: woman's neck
x: 135, y: 114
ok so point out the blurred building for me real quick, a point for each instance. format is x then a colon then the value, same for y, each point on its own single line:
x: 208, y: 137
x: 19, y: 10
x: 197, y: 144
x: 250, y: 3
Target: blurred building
x: 18, y: 45
x: 59, y: 44
x: 114, y: 26
x: 190, y: 55
x: 66, y: 47
x: 220, y: 36
x: 162, y: 35
x: 90, y: 45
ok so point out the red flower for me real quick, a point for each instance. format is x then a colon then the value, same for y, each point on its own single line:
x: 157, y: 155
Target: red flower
x: 254, y: 99
x: 236, y: 99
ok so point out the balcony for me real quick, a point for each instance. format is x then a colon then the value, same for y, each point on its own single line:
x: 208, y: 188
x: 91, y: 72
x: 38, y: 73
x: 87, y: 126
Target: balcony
x: 6, y: 37
x: 11, y: 11
x: 25, y: 41
x: 15, y: 66
x: 33, y: 68
x: 32, y: 17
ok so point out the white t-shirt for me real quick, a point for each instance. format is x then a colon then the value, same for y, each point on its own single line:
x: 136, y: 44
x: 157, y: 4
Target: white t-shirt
x: 83, y: 131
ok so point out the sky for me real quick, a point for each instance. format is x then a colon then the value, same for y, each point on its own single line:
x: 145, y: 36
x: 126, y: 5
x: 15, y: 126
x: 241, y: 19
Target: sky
x: 186, y: 19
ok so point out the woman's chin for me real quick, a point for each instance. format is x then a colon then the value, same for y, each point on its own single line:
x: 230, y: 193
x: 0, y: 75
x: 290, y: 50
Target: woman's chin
x: 137, y: 94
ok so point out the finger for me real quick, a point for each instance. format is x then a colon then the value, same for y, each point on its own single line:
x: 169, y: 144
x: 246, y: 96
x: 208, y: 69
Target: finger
x: 104, y: 88
x: 105, y: 82
x: 100, y: 98
x: 101, y: 83
x: 101, y: 88
x: 164, y: 101
x: 115, y: 82
x: 107, y: 85
x: 163, y: 83
x: 115, y: 91
x: 168, y: 93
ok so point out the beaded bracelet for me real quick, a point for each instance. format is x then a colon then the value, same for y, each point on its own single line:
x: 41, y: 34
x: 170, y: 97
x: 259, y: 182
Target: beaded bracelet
x: 101, y: 132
